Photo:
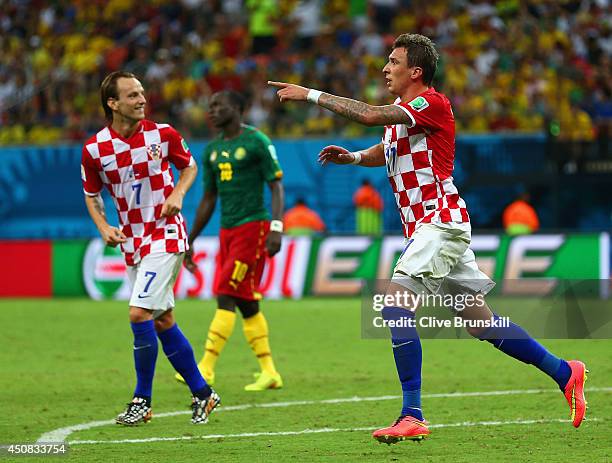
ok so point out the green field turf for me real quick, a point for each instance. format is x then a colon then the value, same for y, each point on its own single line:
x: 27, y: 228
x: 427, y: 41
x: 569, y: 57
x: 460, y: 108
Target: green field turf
x: 69, y: 362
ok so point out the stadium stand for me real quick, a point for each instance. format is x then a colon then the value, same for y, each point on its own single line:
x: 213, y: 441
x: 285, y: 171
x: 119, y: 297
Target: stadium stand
x: 530, y: 83
x: 532, y: 66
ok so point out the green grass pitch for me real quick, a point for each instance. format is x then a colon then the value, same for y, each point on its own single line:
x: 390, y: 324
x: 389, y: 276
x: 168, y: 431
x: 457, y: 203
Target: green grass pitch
x: 69, y: 362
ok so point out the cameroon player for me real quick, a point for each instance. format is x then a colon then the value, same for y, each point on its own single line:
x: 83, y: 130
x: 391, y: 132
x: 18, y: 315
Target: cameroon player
x: 237, y: 164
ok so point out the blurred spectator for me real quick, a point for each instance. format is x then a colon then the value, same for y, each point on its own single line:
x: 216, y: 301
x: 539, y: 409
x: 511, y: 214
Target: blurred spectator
x: 370, y: 43
x: 140, y: 63
x: 161, y: 68
x: 574, y: 133
x: 519, y: 217
x: 262, y: 25
x: 383, y: 12
x: 307, y: 19
x: 507, y: 66
x: 300, y: 220
x: 369, y: 206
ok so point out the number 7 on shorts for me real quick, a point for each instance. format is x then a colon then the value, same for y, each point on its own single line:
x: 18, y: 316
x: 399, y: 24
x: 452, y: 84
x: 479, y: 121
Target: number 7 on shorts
x: 151, y: 276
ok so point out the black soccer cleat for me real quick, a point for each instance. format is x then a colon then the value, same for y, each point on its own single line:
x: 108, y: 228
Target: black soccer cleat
x: 202, y: 408
x: 137, y: 411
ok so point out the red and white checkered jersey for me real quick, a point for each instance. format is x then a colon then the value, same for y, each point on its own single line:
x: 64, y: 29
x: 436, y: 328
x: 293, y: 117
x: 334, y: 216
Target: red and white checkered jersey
x: 419, y: 158
x: 136, y: 171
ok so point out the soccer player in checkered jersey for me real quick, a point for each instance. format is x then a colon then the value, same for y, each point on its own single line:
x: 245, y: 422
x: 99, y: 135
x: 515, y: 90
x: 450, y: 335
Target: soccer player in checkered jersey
x: 237, y: 164
x: 131, y: 157
x: 418, y: 151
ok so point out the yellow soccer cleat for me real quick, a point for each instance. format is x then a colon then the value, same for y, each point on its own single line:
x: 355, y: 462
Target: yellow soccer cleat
x: 209, y: 377
x: 263, y: 381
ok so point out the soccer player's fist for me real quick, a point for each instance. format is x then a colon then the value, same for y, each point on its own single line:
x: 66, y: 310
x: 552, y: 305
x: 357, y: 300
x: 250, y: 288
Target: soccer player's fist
x: 112, y: 236
x: 289, y: 92
x: 335, y: 155
x: 273, y: 243
x: 172, y: 206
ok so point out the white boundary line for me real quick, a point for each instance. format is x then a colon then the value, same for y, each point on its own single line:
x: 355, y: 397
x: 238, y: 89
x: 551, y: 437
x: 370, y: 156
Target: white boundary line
x: 311, y: 431
x: 61, y: 434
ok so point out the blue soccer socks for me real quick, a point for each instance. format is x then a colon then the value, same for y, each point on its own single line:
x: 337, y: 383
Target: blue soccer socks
x: 555, y: 367
x: 179, y: 352
x: 145, y: 356
x: 408, y: 357
x: 516, y: 342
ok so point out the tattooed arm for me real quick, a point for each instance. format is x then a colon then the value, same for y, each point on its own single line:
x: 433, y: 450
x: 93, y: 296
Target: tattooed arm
x: 354, y: 110
x: 363, y: 113
x: 112, y: 236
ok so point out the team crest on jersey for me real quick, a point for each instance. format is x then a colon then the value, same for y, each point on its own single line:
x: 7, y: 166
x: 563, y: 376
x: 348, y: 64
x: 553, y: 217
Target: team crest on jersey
x: 240, y: 153
x: 213, y: 156
x: 418, y: 104
x: 154, y: 152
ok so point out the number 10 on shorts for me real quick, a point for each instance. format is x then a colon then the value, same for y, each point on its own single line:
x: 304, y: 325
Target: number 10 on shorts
x: 240, y: 271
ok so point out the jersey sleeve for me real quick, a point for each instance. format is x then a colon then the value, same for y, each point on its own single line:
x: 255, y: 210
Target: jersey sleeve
x: 178, y: 151
x: 210, y: 183
x: 270, y: 167
x: 90, y: 174
x: 428, y: 111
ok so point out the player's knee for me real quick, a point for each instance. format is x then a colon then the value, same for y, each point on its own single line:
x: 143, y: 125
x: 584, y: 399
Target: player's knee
x: 248, y: 308
x: 139, y: 315
x: 164, y: 321
x: 161, y: 325
x: 475, y: 332
x: 398, y: 295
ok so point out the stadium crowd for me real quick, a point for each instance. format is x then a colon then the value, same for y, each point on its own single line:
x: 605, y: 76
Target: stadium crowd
x: 511, y: 65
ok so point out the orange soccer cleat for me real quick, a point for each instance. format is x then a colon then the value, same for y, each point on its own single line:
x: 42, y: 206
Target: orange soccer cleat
x: 574, y: 392
x: 405, y: 428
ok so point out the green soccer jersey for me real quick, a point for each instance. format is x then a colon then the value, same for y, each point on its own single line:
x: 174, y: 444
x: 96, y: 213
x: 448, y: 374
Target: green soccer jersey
x: 237, y: 170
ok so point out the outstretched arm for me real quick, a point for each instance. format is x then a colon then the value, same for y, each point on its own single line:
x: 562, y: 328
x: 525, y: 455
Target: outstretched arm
x: 374, y: 156
x: 354, y: 110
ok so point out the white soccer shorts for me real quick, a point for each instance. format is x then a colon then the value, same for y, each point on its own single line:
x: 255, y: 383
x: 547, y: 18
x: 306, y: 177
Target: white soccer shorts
x: 437, y: 258
x: 153, y: 280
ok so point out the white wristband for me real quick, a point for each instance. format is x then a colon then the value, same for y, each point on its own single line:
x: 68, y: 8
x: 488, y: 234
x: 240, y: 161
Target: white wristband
x: 357, y: 159
x: 276, y: 226
x: 313, y: 95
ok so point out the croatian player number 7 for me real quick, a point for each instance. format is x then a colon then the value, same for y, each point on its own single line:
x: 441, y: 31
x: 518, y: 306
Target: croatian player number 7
x: 137, y: 187
x: 151, y: 276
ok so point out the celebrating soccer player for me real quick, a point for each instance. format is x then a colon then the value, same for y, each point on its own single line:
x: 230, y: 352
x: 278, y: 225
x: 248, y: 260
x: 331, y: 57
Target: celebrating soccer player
x: 418, y: 149
x: 237, y: 163
x: 131, y: 157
